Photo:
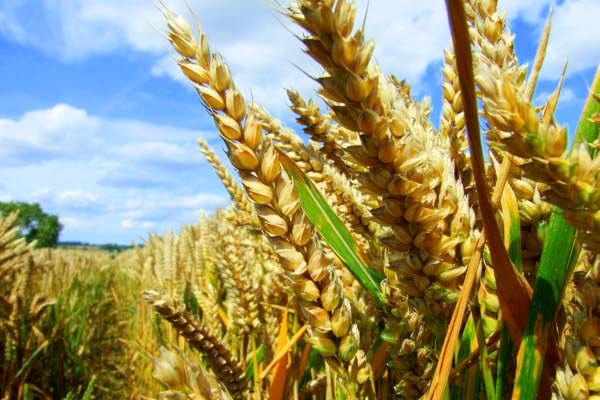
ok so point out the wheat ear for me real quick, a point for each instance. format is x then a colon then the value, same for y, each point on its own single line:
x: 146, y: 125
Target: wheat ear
x: 313, y: 278
x: 220, y: 360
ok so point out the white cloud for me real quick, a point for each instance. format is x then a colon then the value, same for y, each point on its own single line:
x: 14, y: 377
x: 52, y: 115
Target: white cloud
x: 43, y: 134
x: 135, y: 224
x: 196, y: 201
x: 410, y: 36
x: 96, y: 172
x: 69, y: 199
x: 167, y: 67
x: 156, y: 152
x: 147, y: 213
x: 42, y: 194
x: 75, y: 223
x: 261, y: 52
x: 73, y: 30
x: 574, y: 37
x: 76, y: 198
x: 149, y: 208
x: 66, y: 132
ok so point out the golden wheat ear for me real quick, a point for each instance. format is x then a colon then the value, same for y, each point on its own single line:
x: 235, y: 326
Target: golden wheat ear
x: 220, y: 360
x: 254, y: 156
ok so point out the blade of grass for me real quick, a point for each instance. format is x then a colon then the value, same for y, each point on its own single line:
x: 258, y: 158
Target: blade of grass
x: 304, y: 358
x: 552, y: 357
x: 331, y: 228
x: 223, y: 316
x: 253, y: 360
x: 512, y: 226
x: 29, y: 360
x: 505, y: 350
x: 379, y: 358
x: 190, y: 300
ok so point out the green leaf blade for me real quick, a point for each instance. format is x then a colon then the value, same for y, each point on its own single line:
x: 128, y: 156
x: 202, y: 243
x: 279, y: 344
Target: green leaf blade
x: 555, y: 269
x: 331, y: 228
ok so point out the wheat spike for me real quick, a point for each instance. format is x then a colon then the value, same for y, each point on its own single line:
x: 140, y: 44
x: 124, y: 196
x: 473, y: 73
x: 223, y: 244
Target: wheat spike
x: 276, y: 202
x: 225, y: 367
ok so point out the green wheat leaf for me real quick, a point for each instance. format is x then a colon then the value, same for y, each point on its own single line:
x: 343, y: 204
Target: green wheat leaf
x: 332, y: 229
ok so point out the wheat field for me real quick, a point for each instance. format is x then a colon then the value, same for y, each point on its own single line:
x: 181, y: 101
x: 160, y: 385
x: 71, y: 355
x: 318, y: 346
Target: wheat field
x: 377, y: 255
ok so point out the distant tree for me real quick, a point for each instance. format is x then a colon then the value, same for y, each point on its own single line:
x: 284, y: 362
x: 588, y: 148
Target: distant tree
x: 34, y: 222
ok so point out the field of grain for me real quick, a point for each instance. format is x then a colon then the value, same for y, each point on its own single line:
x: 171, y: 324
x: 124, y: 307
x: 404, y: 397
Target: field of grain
x: 387, y: 256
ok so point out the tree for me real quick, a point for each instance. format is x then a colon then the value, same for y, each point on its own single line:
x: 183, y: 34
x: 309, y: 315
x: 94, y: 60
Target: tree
x: 34, y: 222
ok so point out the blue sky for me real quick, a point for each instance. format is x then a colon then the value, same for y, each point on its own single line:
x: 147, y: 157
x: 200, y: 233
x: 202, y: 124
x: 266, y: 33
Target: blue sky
x: 97, y: 125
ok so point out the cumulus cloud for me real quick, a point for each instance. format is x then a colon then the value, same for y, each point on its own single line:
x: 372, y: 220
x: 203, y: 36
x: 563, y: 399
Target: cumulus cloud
x: 149, y: 206
x: 66, y: 132
x: 167, y: 67
x: 123, y: 178
x: 73, y: 30
x: 73, y: 200
x: 410, y: 35
x: 96, y: 172
x: 530, y: 11
x: 159, y: 153
x: 152, y: 212
x: 260, y: 51
x: 75, y: 223
x: 42, y: 135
